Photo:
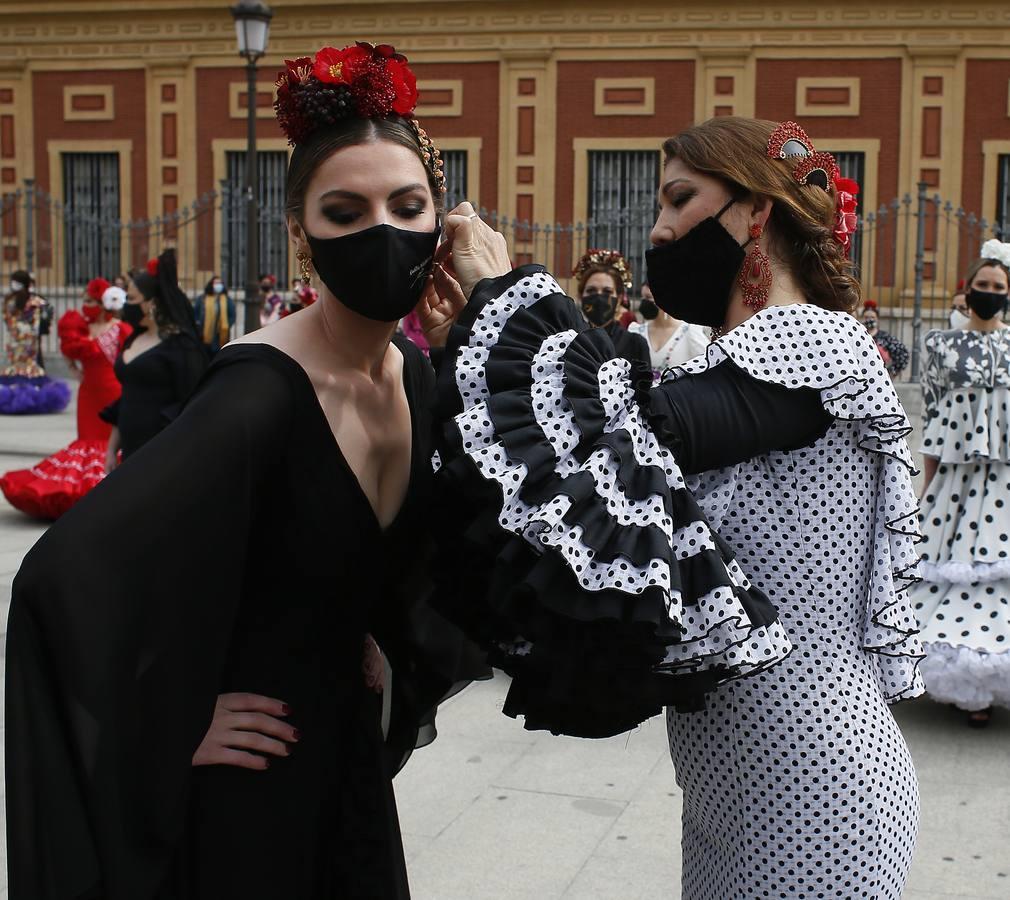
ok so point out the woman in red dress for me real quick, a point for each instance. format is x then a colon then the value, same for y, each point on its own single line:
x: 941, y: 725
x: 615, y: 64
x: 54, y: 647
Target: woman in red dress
x: 91, y: 339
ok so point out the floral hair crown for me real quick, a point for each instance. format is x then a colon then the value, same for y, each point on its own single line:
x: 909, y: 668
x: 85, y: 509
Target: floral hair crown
x: 790, y: 142
x: 612, y: 259
x: 360, y: 81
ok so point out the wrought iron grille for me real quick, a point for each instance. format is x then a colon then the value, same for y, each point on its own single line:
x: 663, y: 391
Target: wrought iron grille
x: 455, y: 162
x: 1003, y: 198
x: 273, y: 237
x: 91, y: 216
x: 622, y: 202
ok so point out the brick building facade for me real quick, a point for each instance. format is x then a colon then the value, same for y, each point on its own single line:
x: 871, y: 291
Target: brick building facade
x: 548, y: 113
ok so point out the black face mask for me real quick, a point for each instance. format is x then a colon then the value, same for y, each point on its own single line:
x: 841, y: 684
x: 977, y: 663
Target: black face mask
x: 599, y: 308
x: 984, y: 304
x: 870, y: 324
x: 132, y: 314
x: 692, y: 277
x: 380, y: 272
x: 648, y: 309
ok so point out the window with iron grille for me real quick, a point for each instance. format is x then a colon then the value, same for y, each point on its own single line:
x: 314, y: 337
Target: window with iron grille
x: 1003, y: 197
x: 853, y: 165
x: 622, y: 202
x: 271, y: 168
x: 91, y: 216
x: 455, y: 165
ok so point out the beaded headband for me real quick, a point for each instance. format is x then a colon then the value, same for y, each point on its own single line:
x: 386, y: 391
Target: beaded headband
x: 360, y: 81
x: 612, y: 259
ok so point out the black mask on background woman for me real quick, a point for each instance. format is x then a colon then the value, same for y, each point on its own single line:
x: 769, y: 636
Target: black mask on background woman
x: 132, y: 314
x: 648, y: 309
x: 380, y: 272
x: 986, y: 304
x: 599, y: 308
x: 692, y: 277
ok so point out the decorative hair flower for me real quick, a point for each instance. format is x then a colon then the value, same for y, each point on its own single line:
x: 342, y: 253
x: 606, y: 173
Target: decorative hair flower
x: 845, y: 211
x: 359, y: 81
x: 611, y: 259
x: 96, y: 287
x: 997, y: 250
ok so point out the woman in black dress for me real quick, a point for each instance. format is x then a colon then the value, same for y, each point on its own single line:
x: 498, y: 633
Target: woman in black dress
x: 209, y: 732
x: 161, y: 362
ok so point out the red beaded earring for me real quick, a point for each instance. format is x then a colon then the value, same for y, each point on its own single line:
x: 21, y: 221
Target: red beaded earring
x: 756, y: 274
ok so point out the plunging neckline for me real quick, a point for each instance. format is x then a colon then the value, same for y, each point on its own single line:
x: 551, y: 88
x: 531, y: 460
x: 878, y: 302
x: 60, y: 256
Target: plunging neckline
x: 342, y: 459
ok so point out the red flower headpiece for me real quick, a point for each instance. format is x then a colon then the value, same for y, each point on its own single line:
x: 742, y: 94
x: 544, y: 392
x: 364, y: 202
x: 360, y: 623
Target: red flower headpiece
x: 152, y: 267
x: 869, y: 304
x: 96, y: 287
x: 359, y: 81
x: 790, y: 142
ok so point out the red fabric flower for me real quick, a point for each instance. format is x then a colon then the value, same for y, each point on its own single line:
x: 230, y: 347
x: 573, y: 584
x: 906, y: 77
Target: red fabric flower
x: 152, y: 268
x: 97, y: 287
x: 296, y: 71
x: 405, y: 85
x: 334, y: 66
x: 845, y: 204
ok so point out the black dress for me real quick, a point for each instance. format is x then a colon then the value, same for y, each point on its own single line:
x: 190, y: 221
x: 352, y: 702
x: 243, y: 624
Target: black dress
x: 251, y: 561
x: 632, y: 347
x: 156, y: 385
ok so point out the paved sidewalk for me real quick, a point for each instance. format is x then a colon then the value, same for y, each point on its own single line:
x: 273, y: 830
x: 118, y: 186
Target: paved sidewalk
x: 493, y: 812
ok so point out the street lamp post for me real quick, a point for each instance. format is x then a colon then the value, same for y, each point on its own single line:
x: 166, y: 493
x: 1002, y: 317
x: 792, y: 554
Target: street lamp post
x: 252, y: 27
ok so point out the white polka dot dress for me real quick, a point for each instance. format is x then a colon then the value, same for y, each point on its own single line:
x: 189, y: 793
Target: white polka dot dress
x: 797, y: 782
x: 963, y: 602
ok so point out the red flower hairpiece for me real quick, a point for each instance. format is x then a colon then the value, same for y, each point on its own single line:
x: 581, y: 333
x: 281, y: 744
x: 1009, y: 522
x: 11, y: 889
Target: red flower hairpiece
x: 358, y: 81
x: 845, y: 211
x: 152, y: 268
x: 96, y: 287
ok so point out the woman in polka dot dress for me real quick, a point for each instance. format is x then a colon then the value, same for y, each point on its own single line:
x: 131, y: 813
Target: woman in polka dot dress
x: 963, y: 602
x: 797, y: 782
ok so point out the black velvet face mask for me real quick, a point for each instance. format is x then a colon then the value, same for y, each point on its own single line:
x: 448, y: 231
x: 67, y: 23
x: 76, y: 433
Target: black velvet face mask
x: 380, y: 272
x: 692, y: 277
x: 986, y: 304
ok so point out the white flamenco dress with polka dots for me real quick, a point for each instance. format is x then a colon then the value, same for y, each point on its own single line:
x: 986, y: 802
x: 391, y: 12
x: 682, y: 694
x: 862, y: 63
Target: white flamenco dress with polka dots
x: 798, y: 782
x: 963, y: 602
x: 796, y: 779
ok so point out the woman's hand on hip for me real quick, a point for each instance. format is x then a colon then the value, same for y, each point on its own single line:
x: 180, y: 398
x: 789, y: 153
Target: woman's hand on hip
x: 244, y: 728
x: 478, y: 251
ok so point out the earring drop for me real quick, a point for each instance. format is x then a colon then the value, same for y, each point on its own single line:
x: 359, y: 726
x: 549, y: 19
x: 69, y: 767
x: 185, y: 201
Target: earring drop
x: 756, y: 274
x: 303, y: 261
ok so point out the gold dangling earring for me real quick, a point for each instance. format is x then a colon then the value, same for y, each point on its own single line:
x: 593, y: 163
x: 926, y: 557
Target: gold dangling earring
x: 303, y: 261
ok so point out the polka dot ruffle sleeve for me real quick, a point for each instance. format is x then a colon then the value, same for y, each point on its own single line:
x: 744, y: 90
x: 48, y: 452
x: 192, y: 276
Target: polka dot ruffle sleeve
x: 603, y: 590
x: 803, y: 345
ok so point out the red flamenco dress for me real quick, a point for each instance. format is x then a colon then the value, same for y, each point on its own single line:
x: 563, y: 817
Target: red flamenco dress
x: 50, y: 488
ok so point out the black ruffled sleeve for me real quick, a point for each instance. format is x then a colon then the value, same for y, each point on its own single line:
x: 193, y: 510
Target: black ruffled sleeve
x: 585, y: 567
x: 725, y: 416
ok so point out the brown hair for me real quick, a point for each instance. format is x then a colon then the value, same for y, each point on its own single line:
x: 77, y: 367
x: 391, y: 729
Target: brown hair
x: 735, y: 150
x: 323, y: 143
x: 610, y: 270
x: 976, y: 267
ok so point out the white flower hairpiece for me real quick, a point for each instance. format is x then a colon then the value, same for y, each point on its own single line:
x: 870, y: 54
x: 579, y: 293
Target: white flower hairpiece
x: 998, y: 250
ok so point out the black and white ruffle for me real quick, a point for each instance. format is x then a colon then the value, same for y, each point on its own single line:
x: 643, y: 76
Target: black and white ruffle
x: 594, y: 577
x: 784, y: 345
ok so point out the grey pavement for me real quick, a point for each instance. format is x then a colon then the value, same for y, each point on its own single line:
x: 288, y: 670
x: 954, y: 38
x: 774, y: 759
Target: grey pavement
x: 493, y: 812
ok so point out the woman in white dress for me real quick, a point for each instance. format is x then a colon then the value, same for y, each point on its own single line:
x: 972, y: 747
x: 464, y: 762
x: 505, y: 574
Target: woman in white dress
x: 796, y: 779
x: 671, y: 341
x: 963, y: 602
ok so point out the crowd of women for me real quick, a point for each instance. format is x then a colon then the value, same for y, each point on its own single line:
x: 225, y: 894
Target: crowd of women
x: 709, y: 513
